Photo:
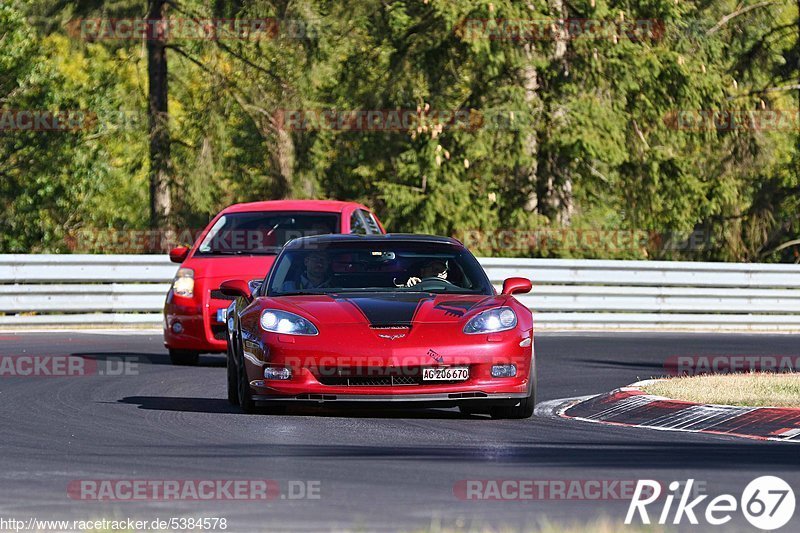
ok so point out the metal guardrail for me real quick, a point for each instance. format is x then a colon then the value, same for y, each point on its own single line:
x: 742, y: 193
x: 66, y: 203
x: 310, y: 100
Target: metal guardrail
x: 596, y: 294
x: 43, y: 290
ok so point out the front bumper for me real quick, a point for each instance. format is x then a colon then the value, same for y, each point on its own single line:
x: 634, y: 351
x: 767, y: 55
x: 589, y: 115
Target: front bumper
x: 305, y: 386
x: 320, y: 370
x: 395, y: 400
x: 202, y: 332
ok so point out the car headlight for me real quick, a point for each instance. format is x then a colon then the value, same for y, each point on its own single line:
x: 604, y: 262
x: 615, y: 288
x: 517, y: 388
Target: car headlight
x: 183, y: 284
x: 288, y: 323
x: 492, y: 321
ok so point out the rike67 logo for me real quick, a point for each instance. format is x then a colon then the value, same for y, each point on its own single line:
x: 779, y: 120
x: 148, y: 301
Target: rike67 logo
x: 767, y: 503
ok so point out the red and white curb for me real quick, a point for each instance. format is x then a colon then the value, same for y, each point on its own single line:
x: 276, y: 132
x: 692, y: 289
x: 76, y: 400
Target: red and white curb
x: 630, y: 406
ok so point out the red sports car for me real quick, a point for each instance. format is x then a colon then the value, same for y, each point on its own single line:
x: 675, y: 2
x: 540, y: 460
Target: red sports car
x: 388, y: 318
x: 242, y: 242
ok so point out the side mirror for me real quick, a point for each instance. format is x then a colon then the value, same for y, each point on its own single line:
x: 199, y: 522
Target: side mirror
x: 178, y: 255
x: 254, y: 285
x: 517, y: 285
x: 236, y: 288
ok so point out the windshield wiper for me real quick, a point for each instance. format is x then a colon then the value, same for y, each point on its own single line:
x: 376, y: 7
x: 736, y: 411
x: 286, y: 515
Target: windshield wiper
x: 270, y: 251
x: 223, y: 252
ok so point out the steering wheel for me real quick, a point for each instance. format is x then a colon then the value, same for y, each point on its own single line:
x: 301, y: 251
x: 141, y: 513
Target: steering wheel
x: 436, y: 278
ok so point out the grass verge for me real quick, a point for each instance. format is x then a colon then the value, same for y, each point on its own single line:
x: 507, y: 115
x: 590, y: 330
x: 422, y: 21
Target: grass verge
x: 758, y: 389
x: 543, y: 525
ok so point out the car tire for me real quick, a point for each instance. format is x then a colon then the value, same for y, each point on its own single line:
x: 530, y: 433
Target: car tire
x: 525, y: 407
x: 245, y: 395
x: 523, y: 410
x: 184, y: 357
x: 233, y: 383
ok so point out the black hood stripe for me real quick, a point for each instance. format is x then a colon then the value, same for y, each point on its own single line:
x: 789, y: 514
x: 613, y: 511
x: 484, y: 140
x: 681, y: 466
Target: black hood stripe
x: 394, y: 310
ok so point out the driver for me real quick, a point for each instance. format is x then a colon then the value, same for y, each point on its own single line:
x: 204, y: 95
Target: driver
x: 315, y: 276
x: 435, y: 268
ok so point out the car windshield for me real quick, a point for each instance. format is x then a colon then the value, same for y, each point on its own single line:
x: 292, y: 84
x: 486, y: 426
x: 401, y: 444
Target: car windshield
x: 377, y: 267
x: 255, y: 233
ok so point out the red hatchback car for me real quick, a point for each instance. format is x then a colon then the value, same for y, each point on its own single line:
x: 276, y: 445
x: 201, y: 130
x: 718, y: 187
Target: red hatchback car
x: 242, y: 242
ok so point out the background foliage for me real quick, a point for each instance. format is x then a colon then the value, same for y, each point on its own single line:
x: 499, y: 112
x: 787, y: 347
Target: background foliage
x: 589, y: 160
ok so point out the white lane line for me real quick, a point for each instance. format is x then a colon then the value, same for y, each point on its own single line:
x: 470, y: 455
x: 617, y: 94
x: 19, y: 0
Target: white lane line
x: 790, y: 434
x: 623, y: 406
x: 681, y: 423
x: 698, y: 417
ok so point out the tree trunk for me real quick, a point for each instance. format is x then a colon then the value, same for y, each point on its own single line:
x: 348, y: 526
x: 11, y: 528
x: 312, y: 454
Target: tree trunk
x: 529, y: 179
x: 553, y: 180
x: 283, y: 161
x: 157, y: 114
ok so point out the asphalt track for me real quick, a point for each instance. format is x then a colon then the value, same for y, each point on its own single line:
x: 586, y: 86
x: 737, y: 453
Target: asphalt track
x: 378, y: 470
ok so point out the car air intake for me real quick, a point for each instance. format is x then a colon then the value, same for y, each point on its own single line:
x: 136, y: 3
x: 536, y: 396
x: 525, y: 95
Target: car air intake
x: 220, y: 333
x: 374, y: 377
x: 216, y: 294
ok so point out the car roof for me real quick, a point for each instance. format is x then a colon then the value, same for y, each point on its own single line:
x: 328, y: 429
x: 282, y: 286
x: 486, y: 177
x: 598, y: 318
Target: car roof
x: 389, y: 237
x: 324, y: 206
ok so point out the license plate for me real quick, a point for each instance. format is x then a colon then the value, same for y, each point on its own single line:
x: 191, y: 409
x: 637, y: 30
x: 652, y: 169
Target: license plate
x: 451, y: 373
x: 222, y: 315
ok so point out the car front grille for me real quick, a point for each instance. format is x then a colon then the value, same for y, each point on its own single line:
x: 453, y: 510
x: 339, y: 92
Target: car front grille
x: 364, y: 381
